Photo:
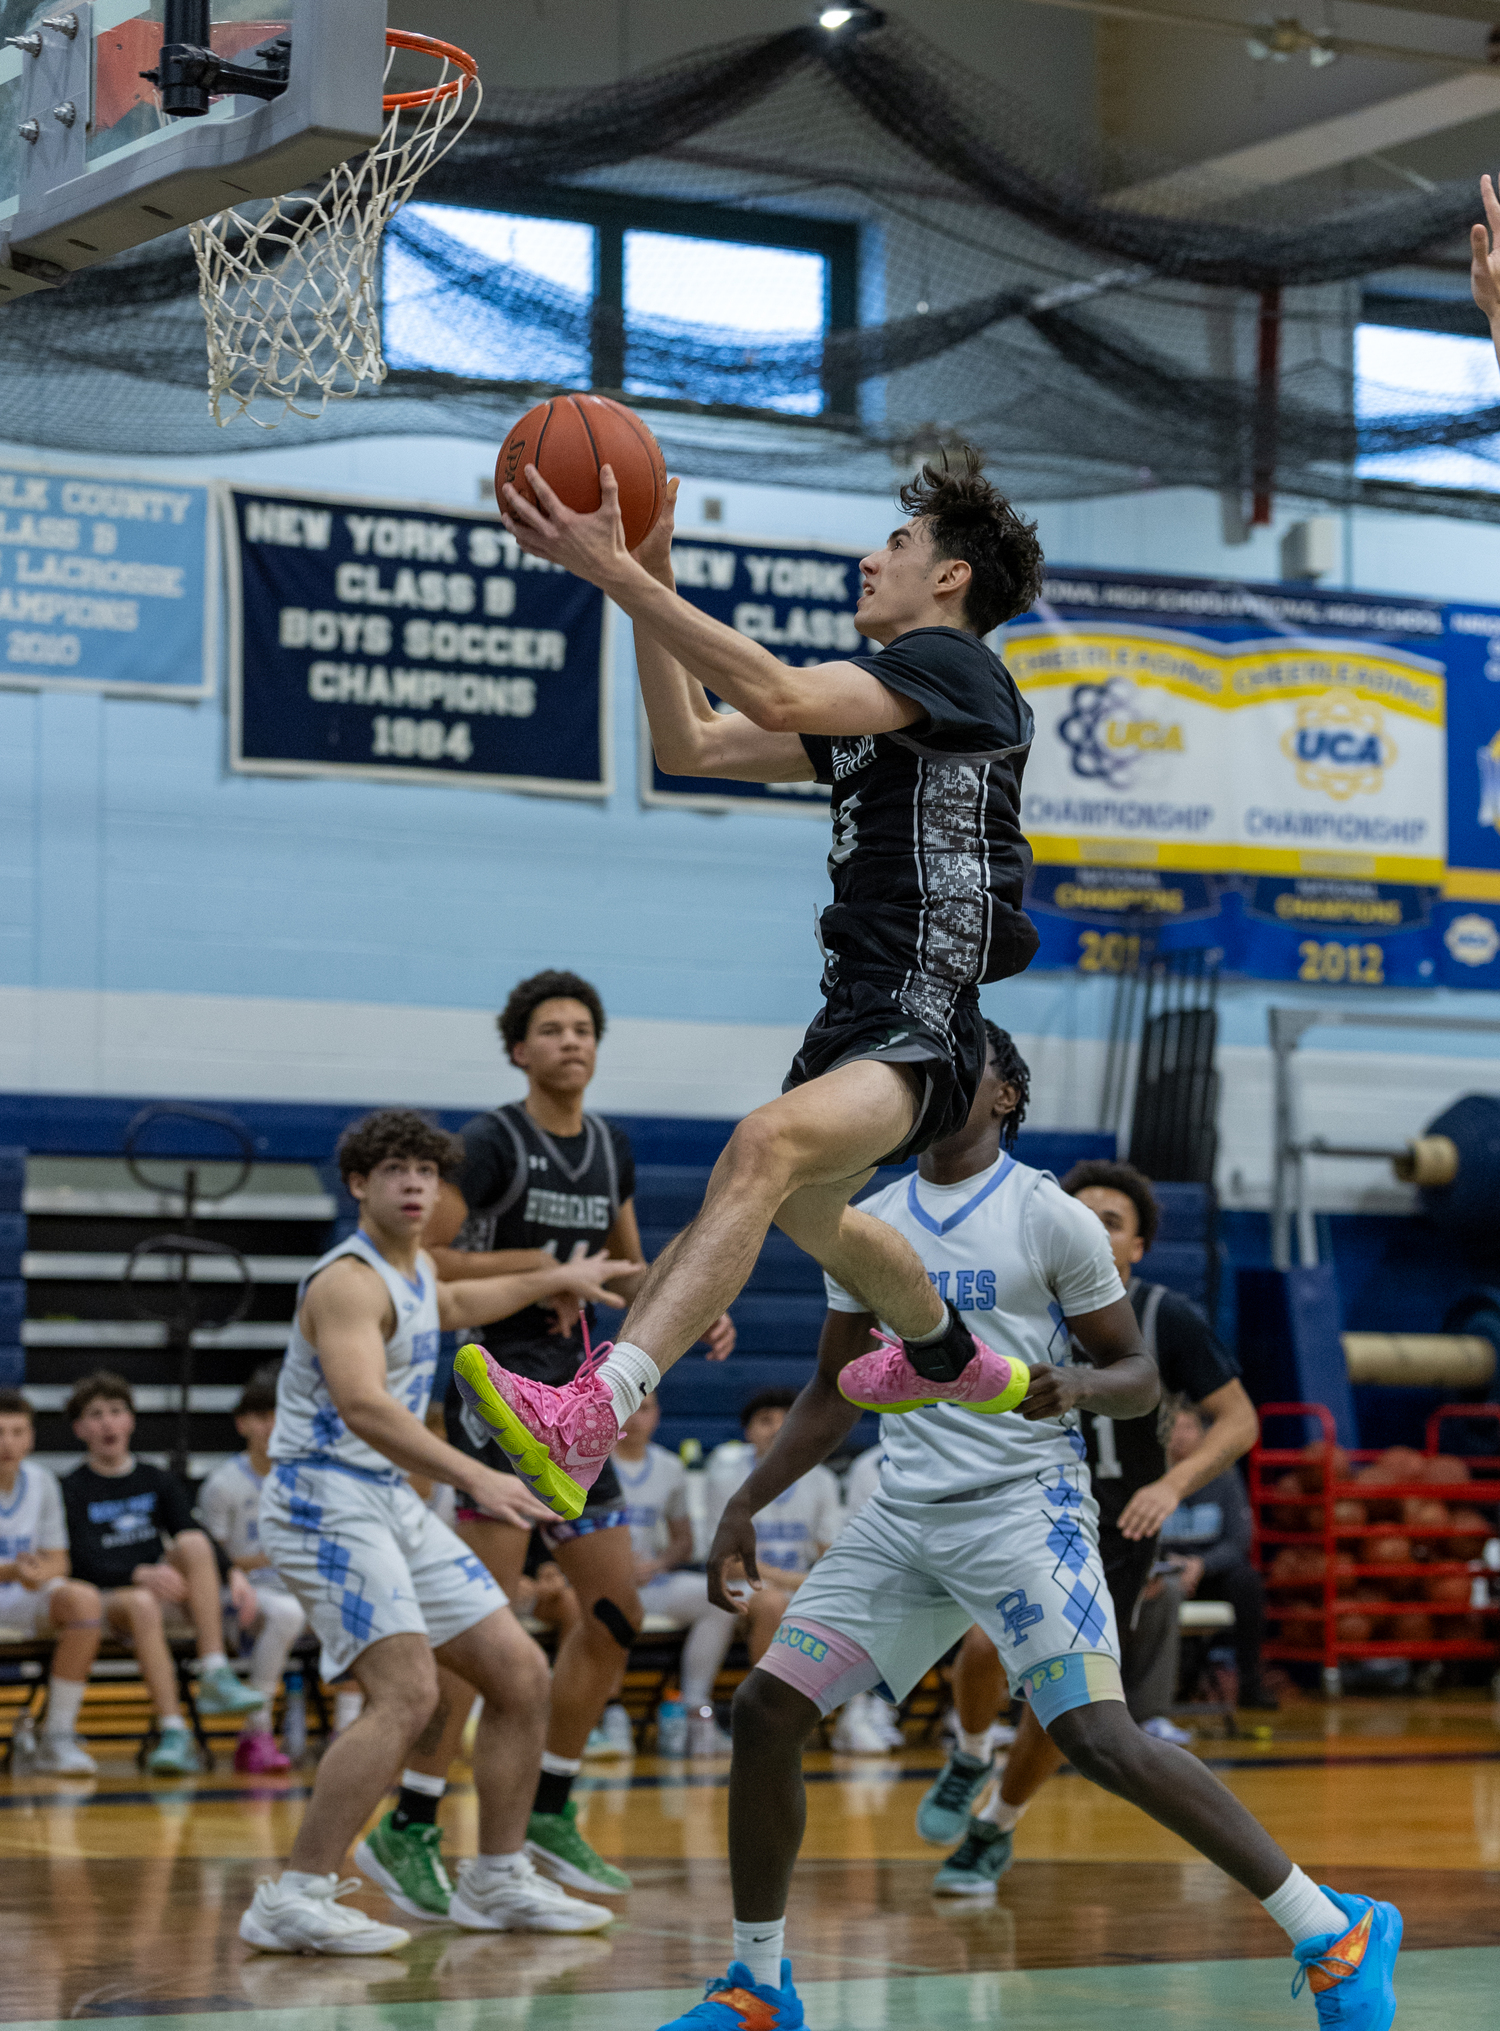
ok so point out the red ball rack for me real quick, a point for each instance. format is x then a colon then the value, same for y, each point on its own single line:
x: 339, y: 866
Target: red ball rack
x: 1288, y: 1599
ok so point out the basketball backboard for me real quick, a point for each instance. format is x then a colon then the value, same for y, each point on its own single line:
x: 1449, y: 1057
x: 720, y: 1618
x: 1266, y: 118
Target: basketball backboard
x: 89, y: 165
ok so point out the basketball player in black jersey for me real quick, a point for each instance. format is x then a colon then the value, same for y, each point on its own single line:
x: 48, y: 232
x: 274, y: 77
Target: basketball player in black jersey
x: 923, y: 745
x: 542, y: 1181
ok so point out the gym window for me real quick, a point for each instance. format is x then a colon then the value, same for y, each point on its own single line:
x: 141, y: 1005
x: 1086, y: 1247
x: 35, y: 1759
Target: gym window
x: 669, y: 302
x: 1401, y: 371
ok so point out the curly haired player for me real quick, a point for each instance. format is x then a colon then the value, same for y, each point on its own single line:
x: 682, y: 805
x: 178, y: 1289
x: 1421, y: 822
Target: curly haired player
x: 923, y: 746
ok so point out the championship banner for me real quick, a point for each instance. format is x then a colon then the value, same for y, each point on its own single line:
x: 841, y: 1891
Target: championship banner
x: 798, y: 599
x: 1307, y: 782
x: 107, y: 583
x: 404, y: 644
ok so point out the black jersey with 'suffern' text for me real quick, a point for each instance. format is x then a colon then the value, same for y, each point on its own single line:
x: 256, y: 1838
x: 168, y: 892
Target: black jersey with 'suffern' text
x: 928, y: 860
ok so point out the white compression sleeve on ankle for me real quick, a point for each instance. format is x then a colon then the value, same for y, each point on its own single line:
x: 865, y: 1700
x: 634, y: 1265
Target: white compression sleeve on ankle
x: 1303, y: 1911
x: 760, y: 1947
x: 629, y: 1374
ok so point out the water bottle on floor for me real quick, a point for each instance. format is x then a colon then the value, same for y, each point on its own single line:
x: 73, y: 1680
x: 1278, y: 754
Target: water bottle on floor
x: 671, y: 1729
x: 294, y: 1718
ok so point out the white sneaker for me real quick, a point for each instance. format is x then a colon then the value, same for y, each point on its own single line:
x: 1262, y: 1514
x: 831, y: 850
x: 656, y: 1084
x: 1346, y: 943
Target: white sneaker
x: 857, y: 1733
x: 706, y: 1737
x: 887, y: 1720
x: 617, y: 1731
x: 62, y: 1756
x: 520, y: 1900
x: 308, y: 1918
x: 1166, y: 1731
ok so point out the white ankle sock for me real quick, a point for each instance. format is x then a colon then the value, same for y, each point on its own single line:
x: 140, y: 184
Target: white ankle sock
x: 998, y: 1813
x: 501, y: 1865
x: 418, y: 1780
x: 211, y: 1660
x: 975, y: 1747
x: 64, y: 1698
x: 630, y: 1375
x: 760, y: 1948
x: 930, y: 1339
x: 1303, y: 1911
x: 561, y: 1766
x: 298, y: 1879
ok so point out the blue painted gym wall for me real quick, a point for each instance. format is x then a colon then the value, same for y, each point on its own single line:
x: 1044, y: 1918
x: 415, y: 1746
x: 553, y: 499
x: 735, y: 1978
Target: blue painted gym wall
x: 133, y: 863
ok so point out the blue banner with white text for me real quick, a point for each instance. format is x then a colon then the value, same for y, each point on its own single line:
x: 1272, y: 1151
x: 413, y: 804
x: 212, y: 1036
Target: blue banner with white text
x: 409, y: 644
x: 106, y: 583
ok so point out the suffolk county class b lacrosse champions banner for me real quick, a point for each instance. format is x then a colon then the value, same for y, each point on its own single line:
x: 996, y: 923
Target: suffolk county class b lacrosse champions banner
x: 1307, y: 782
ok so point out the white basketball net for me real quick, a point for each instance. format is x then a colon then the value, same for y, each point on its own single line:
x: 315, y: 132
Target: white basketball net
x: 291, y: 293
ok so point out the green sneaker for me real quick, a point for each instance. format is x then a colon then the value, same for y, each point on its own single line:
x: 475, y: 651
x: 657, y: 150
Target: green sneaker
x: 975, y: 1868
x: 221, y: 1691
x: 407, y: 1864
x: 556, y: 1846
x: 175, y: 1755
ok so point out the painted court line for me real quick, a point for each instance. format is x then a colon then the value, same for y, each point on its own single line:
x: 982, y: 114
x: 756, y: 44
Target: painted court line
x: 1450, y: 1990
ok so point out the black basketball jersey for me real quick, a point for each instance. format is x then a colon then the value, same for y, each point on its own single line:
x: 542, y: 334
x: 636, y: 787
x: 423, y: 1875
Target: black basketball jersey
x: 1127, y: 1454
x: 928, y: 859
x: 527, y: 1189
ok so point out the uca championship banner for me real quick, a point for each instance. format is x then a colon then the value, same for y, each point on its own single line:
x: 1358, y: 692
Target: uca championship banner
x: 798, y: 599
x: 405, y: 644
x: 1306, y: 781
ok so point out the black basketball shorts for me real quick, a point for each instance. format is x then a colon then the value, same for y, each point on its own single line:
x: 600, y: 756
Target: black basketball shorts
x: 864, y: 1018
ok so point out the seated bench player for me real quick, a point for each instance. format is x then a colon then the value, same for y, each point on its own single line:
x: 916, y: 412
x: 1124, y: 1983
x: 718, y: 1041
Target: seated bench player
x: 654, y: 1484
x: 132, y: 1535
x: 229, y: 1508
x: 37, y: 1598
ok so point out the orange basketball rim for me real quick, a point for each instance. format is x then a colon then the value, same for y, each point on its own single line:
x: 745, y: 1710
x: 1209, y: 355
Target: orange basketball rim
x: 444, y: 53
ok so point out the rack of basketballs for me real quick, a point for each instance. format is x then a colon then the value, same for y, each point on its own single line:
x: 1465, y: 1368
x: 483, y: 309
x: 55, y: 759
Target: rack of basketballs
x: 1376, y: 1554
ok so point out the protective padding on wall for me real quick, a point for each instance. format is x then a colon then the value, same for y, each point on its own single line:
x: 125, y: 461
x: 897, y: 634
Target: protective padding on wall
x: 1290, y: 1345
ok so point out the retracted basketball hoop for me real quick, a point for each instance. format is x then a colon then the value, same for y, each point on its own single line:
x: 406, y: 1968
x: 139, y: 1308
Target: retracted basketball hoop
x: 290, y: 293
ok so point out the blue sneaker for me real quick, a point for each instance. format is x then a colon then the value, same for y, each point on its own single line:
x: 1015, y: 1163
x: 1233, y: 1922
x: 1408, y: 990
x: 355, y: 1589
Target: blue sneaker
x: 978, y: 1865
x: 943, y: 1815
x: 737, y: 2002
x: 1350, y: 1973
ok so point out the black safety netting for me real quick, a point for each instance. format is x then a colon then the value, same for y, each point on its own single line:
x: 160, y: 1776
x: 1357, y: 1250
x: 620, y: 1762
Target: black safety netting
x: 1094, y: 320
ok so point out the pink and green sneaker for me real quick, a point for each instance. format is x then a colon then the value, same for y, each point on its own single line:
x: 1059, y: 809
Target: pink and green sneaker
x: 885, y: 1380
x: 557, y: 1438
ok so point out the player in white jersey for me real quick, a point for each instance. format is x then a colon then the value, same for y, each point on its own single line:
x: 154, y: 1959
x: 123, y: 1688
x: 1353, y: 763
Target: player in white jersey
x: 384, y: 1583
x: 988, y: 1520
x: 36, y: 1596
x: 229, y: 1510
x: 653, y: 1483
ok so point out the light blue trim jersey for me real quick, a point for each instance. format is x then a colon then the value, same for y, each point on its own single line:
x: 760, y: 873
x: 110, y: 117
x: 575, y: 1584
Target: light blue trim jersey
x: 1018, y: 1258
x: 31, y: 1519
x: 308, y: 1427
x: 654, y: 1491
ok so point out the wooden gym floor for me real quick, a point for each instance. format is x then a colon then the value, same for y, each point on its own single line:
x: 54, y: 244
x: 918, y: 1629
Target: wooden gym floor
x: 121, y: 1897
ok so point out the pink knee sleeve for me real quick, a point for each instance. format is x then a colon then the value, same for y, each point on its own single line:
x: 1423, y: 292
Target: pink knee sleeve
x: 819, y: 1663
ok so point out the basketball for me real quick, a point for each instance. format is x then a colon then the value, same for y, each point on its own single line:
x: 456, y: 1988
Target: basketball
x: 568, y: 438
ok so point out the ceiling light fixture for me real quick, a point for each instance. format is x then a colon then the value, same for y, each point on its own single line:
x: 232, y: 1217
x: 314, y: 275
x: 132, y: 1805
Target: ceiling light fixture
x: 857, y: 17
